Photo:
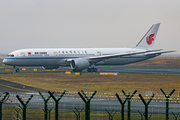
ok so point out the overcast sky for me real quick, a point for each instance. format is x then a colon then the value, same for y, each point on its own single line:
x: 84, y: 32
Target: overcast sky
x: 87, y: 23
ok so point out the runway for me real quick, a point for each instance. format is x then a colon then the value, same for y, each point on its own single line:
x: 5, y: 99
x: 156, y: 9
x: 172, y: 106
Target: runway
x: 141, y: 69
x: 114, y: 69
x: 101, y: 68
x: 6, y: 86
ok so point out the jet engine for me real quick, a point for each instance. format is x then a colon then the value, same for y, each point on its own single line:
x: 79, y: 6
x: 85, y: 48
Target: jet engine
x: 50, y: 67
x: 79, y: 64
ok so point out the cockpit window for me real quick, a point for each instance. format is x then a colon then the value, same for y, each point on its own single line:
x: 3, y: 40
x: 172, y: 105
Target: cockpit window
x: 10, y: 55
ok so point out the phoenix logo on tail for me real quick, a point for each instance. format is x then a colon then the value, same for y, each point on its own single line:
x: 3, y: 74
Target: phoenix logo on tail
x: 149, y: 39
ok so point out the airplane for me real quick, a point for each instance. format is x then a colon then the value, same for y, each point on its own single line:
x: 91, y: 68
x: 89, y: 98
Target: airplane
x: 85, y: 58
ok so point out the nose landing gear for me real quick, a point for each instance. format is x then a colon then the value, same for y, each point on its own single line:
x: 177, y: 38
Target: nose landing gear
x: 17, y: 69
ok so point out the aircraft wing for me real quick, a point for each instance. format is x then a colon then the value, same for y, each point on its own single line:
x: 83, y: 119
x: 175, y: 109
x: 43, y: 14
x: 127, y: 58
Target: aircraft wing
x: 95, y: 59
x: 100, y: 58
x: 158, y: 53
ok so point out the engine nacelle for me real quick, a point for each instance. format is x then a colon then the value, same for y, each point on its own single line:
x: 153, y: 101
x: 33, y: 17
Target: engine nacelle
x: 79, y: 64
x: 50, y: 67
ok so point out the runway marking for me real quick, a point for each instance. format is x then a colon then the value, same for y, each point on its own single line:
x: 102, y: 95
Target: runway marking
x: 17, y: 88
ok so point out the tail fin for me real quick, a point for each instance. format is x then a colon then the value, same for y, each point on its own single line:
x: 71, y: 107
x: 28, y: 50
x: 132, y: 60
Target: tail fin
x: 147, y: 41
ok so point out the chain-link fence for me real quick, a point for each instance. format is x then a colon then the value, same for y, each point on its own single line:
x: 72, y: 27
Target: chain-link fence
x: 74, y: 108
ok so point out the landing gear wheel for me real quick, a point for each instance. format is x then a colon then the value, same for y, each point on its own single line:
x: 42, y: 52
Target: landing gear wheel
x: 89, y: 69
x: 17, y: 70
x: 95, y: 69
x: 92, y: 69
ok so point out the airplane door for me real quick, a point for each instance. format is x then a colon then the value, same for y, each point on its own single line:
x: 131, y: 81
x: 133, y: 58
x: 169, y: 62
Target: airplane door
x: 98, y: 53
x: 22, y: 54
x: 54, y: 53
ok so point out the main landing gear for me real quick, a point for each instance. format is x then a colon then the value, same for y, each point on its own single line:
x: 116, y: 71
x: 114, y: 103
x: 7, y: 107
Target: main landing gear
x: 92, y: 69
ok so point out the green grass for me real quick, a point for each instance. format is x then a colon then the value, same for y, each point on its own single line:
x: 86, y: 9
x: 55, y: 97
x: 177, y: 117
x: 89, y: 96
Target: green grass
x: 104, y: 85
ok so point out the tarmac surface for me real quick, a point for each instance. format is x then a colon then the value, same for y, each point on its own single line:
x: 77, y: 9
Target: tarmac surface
x: 6, y: 86
x: 112, y: 69
x: 142, y: 69
x: 96, y: 104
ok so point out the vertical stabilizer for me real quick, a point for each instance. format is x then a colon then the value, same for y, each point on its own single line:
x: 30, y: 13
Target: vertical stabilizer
x: 148, y: 40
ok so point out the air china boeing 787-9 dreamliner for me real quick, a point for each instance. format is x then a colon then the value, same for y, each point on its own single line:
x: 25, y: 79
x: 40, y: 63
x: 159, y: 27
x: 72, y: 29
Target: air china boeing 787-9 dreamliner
x: 85, y: 58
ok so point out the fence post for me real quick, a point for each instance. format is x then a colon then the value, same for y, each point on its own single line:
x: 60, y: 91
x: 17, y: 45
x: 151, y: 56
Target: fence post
x: 56, y: 102
x: 175, y: 115
x: 146, y: 105
x: 17, y: 113
x: 87, y: 103
x: 4, y: 99
x: 110, y: 114
x: 122, y: 104
x: 45, y: 105
x: 141, y: 114
x: 49, y: 112
x: 167, y: 102
x: 77, y: 113
x: 129, y: 103
x: 24, y: 105
x: 0, y: 110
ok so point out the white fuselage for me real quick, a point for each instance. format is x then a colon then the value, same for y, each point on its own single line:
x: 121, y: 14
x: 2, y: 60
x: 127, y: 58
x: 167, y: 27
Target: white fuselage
x: 56, y: 57
x: 85, y: 58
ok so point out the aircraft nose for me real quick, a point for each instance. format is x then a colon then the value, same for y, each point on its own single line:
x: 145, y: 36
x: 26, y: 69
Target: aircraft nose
x: 4, y: 61
x: 8, y: 61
